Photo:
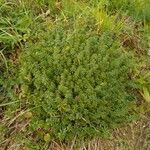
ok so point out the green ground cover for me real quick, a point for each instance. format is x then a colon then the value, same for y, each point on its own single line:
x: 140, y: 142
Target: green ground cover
x: 72, y: 70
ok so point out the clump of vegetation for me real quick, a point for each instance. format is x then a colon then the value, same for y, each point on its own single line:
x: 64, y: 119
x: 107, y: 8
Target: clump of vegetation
x: 78, y: 80
x: 71, y: 69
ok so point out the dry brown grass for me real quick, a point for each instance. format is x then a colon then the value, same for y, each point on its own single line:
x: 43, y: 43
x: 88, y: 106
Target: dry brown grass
x: 135, y: 136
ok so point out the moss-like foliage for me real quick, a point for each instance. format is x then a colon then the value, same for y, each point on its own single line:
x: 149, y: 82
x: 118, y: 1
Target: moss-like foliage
x: 78, y: 80
x: 71, y: 69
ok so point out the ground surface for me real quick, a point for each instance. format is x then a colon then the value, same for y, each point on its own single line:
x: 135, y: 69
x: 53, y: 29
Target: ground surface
x: 135, y: 136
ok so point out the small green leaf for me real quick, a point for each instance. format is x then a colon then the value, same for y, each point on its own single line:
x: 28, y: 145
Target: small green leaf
x: 47, y: 137
x: 28, y: 115
x: 146, y: 94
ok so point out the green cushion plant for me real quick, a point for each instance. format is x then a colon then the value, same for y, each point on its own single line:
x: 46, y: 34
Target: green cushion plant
x: 69, y: 69
x: 78, y: 81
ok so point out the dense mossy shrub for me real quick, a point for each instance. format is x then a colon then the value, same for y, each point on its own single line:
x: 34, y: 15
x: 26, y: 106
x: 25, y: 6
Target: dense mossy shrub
x: 77, y: 82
